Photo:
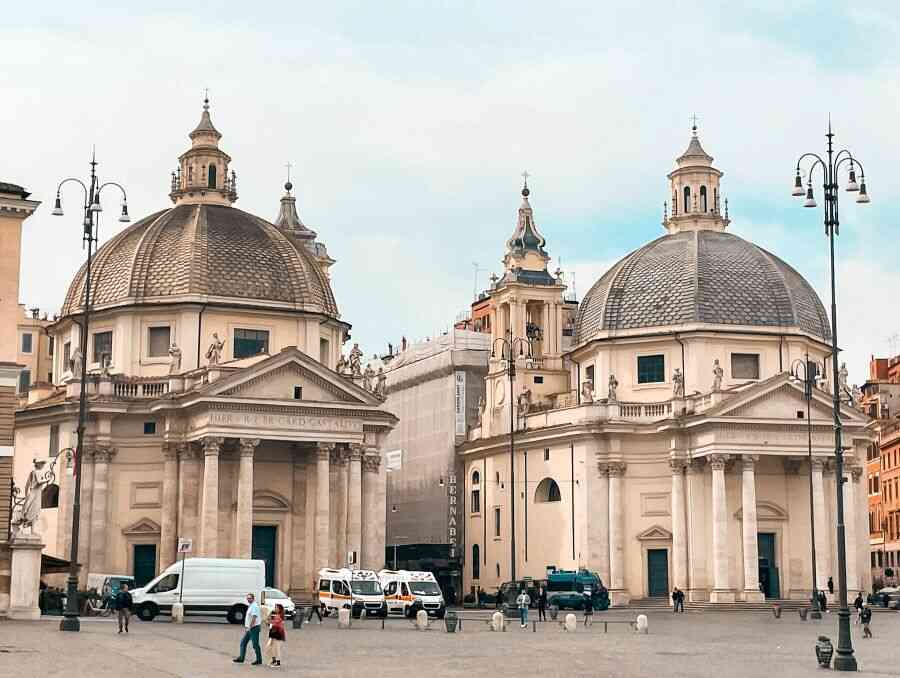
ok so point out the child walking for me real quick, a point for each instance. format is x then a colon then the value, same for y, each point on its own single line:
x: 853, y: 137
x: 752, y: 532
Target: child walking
x: 276, y: 635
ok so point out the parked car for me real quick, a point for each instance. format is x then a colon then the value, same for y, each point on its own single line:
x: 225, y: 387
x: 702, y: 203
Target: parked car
x: 885, y: 597
x: 277, y: 597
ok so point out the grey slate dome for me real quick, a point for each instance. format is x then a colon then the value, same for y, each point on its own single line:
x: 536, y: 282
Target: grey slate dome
x: 207, y: 254
x: 701, y: 276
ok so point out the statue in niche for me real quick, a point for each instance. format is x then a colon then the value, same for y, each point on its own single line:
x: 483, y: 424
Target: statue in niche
x: 678, y: 383
x: 356, y: 355
x: 174, y: 359
x: 718, y: 373
x: 587, y: 391
x: 613, y: 386
x: 214, y: 352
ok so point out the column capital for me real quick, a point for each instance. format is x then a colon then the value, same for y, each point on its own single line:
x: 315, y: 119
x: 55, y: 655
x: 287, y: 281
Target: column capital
x: 678, y: 464
x: 696, y: 466
x: 791, y: 465
x: 371, y: 461
x: 324, y: 450
x: 717, y: 462
x: 187, y: 451
x: 103, y: 454
x: 616, y: 469
x: 248, y: 446
x: 340, y: 456
x: 357, y: 450
x: 749, y: 461
x: 170, y: 451
x: 856, y: 472
x: 818, y: 464
x: 212, y: 445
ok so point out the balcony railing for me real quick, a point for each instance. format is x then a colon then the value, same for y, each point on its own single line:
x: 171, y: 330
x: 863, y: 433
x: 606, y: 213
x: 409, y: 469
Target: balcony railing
x: 134, y: 388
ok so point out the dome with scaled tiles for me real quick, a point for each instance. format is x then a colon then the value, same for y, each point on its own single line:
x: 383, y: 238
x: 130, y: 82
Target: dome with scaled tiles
x: 203, y: 250
x: 698, y: 274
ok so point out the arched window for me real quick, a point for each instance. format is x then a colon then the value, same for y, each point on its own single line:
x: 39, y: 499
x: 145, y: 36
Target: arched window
x: 687, y: 199
x: 476, y: 492
x: 476, y: 562
x: 50, y: 496
x: 703, y: 198
x: 547, y: 491
x: 212, y: 177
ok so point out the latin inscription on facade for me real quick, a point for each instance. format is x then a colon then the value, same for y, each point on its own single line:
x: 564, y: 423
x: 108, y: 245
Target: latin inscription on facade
x: 283, y: 421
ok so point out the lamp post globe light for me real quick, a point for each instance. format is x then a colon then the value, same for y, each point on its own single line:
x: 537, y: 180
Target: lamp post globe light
x: 806, y: 371
x: 508, y: 347
x: 831, y: 167
x: 91, y: 222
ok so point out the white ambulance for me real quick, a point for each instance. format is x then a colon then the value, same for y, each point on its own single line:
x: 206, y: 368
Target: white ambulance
x: 359, y: 589
x: 406, y: 592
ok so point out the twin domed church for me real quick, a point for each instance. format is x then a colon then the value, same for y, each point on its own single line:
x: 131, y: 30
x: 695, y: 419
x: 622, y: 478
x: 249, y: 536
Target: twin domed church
x: 659, y: 437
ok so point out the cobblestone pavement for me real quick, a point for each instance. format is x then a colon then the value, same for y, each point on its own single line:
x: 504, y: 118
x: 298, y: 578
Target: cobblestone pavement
x: 733, y: 645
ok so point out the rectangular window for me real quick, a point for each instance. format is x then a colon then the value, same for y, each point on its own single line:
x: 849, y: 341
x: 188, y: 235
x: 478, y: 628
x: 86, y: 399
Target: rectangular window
x: 538, y: 380
x: 24, y: 381
x: 651, y: 369
x: 50, y: 346
x: 476, y: 501
x: 54, y: 440
x: 497, y: 522
x: 67, y: 355
x: 745, y: 366
x: 298, y: 393
x: 547, y: 454
x: 26, y: 342
x: 589, y: 374
x: 158, y: 341
x: 102, y: 345
x: 149, y: 428
x: 324, y: 351
x: 250, y: 342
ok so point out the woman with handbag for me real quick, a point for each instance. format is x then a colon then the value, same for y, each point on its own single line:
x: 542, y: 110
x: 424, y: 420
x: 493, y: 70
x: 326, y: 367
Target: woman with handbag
x: 276, y: 636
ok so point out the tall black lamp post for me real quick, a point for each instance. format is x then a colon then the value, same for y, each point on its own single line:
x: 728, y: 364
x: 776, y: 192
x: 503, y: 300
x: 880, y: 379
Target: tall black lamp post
x: 508, y: 347
x: 831, y: 167
x: 92, y: 209
x: 806, y: 372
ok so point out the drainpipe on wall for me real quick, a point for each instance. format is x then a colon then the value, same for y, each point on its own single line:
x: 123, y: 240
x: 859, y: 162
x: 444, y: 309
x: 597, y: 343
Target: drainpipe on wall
x: 200, y: 333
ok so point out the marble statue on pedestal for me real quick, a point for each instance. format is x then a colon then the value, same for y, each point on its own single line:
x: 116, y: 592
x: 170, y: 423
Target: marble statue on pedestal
x: 718, y: 373
x: 214, y: 352
x: 174, y: 359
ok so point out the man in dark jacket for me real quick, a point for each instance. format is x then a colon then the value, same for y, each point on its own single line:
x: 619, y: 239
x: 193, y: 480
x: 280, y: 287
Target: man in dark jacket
x: 830, y: 585
x: 123, y: 603
x: 542, y: 604
x: 866, y: 618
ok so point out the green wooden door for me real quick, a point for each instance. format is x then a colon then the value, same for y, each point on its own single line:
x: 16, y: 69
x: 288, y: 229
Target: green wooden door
x: 768, y: 565
x: 263, y: 548
x: 144, y: 563
x: 658, y: 572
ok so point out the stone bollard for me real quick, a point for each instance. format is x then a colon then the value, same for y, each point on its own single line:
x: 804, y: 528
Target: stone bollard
x: 640, y: 624
x: 498, y: 622
x: 571, y: 622
x: 178, y: 613
x: 422, y: 620
x: 344, y: 618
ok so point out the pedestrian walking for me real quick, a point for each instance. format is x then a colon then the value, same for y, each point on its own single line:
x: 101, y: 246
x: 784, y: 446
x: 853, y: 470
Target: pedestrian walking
x: 542, y: 604
x: 588, y: 609
x: 866, y: 618
x: 277, y: 636
x: 858, y: 606
x: 252, y: 623
x: 823, y: 602
x: 677, y: 600
x: 523, y: 601
x: 123, y: 603
x: 830, y: 586
x: 316, y: 607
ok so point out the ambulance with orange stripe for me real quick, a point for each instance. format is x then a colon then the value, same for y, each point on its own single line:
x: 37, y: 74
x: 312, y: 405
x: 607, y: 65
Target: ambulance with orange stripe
x: 360, y: 589
x: 406, y: 592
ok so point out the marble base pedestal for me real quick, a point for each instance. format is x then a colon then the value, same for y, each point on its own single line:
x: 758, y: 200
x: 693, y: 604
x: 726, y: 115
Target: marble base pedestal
x: 619, y: 597
x: 721, y: 596
x: 753, y: 596
x: 25, y: 577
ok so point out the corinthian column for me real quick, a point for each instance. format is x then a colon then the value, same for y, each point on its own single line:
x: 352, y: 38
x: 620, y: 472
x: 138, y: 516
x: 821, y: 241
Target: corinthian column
x: 679, y: 525
x: 244, y: 519
x: 852, y: 549
x: 354, y: 503
x: 209, y: 530
x: 721, y: 592
x: 340, y: 462
x: 168, y: 528
x: 84, y: 515
x: 66, y: 499
x: 599, y: 523
x: 617, y: 592
x: 189, y: 493
x: 100, y: 508
x: 374, y: 510
x: 823, y: 544
x: 749, y: 528
x: 323, y: 462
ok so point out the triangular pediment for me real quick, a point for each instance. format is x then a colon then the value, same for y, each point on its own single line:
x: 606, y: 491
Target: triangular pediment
x: 143, y: 526
x: 279, y: 377
x: 782, y: 398
x: 655, y: 533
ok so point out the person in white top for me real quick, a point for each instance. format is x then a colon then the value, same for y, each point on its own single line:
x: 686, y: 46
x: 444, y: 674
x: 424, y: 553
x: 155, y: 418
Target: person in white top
x: 523, y: 601
x: 252, y: 621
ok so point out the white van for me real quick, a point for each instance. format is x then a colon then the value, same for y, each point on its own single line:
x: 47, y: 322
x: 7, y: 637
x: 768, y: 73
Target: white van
x: 209, y: 586
x: 358, y: 588
x: 406, y: 592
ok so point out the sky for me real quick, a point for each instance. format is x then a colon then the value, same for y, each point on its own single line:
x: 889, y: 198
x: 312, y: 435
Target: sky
x: 409, y: 124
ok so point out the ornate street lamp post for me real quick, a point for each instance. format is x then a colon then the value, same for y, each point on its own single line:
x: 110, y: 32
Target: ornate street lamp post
x: 806, y: 371
x: 92, y: 209
x: 508, y: 346
x: 831, y: 167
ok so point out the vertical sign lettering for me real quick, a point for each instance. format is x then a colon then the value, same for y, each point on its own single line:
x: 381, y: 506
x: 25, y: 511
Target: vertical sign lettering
x: 451, y: 515
x: 460, y: 402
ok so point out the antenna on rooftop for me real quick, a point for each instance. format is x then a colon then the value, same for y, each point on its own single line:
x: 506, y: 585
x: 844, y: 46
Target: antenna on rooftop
x: 475, y: 284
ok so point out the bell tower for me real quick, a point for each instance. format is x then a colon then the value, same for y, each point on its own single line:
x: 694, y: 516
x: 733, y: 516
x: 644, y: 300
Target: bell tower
x: 202, y: 174
x: 695, y: 195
